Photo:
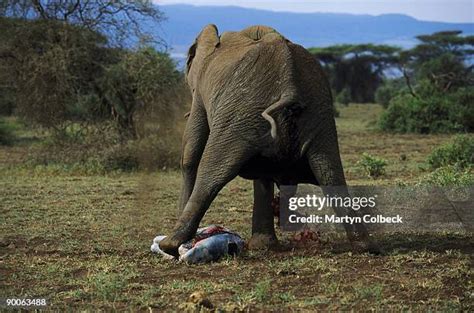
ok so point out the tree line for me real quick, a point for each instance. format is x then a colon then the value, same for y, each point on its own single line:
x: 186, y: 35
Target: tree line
x: 426, y: 89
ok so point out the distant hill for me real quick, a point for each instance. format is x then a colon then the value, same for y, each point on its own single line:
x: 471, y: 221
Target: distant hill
x: 308, y: 29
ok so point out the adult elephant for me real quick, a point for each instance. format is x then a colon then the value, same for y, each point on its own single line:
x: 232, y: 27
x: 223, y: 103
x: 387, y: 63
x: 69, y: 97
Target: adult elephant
x: 262, y: 109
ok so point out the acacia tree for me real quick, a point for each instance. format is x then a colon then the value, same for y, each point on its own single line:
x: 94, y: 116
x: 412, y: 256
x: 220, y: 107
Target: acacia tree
x: 440, y: 80
x: 439, y: 43
x: 356, y: 71
x: 443, y: 58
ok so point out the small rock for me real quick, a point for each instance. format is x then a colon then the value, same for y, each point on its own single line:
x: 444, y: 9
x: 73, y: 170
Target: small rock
x: 200, y: 298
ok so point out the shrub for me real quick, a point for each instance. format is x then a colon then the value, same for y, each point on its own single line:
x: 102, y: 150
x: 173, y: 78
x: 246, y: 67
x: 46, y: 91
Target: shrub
x: 431, y: 112
x: 344, y: 97
x: 459, y: 152
x: 449, y: 176
x: 372, y: 165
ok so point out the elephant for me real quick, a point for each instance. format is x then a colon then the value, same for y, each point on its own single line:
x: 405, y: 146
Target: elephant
x: 261, y: 109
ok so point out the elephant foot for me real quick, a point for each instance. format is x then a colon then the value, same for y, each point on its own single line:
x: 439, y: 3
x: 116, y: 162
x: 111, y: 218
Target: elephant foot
x: 171, y: 243
x: 262, y: 242
x: 170, y: 246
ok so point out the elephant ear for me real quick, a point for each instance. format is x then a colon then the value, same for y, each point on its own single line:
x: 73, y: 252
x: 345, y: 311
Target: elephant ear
x: 191, y: 55
x: 204, y: 45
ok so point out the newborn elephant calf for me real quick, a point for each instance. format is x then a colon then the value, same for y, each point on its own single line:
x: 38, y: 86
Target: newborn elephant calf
x: 262, y: 109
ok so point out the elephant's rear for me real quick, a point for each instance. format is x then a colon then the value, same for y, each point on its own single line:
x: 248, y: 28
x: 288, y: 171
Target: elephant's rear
x: 247, y: 80
x: 314, y: 95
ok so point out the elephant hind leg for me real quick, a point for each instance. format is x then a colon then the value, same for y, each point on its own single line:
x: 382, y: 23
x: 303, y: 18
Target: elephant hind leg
x: 221, y: 161
x: 263, y: 228
x: 326, y: 165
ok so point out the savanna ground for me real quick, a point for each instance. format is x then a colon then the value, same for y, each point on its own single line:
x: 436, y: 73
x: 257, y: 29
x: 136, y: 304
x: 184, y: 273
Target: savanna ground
x: 83, y: 242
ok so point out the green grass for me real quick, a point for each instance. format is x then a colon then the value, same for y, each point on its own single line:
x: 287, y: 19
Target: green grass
x: 82, y: 242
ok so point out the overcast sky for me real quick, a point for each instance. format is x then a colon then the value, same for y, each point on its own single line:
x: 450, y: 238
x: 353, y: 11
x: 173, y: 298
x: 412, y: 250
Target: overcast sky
x: 428, y: 10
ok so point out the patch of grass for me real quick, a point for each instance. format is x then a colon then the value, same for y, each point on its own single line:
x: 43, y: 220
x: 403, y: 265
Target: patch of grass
x: 369, y: 292
x: 150, y: 296
x: 286, y: 297
x: 261, y: 291
x: 333, y: 288
x: 107, y: 286
x: 109, y: 280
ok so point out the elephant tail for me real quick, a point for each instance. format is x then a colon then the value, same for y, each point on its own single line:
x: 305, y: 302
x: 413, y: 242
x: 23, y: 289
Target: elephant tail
x: 284, y: 101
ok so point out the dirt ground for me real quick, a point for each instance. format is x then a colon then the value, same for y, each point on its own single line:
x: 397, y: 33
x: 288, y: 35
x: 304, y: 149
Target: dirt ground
x: 83, y: 242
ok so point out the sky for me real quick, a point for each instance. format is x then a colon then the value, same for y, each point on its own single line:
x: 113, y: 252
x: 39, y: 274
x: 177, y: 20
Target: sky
x: 427, y: 10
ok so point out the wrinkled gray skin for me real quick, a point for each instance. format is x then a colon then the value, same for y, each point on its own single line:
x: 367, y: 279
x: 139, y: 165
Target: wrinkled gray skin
x: 262, y: 109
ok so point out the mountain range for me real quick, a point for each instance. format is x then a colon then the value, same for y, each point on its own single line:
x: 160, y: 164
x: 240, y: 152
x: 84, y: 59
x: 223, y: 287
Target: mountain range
x: 184, y: 22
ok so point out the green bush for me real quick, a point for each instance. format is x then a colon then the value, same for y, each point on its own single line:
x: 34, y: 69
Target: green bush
x: 459, y: 152
x: 430, y: 112
x: 373, y: 166
x: 449, y: 176
x: 344, y: 97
